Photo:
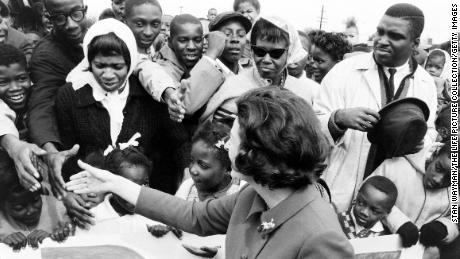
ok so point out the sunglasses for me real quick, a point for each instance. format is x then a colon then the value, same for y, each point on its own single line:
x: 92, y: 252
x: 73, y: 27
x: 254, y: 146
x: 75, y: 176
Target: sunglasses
x: 274, y: 53
x: 60, y: 19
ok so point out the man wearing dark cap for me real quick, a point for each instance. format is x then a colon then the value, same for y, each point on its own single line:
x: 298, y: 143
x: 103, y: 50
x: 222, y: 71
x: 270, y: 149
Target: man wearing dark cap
x: 355, y: 90
x: 235, y: 27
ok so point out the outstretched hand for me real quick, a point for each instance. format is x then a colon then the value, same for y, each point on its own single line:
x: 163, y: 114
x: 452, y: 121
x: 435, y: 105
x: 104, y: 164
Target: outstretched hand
x: 91, y: 180
x: 55, y: 162
x: 174, y: 99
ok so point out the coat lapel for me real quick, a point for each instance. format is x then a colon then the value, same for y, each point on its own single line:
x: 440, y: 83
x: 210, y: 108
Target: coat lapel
x: 371, y: 75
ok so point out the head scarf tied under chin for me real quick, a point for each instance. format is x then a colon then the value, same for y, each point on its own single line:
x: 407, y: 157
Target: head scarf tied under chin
x: 80, y: 76
x: 295, y: 51
x: 445, y: 74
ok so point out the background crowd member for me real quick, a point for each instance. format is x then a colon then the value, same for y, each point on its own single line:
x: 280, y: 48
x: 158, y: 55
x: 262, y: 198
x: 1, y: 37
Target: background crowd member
x: 118, y: 7
x: 212, y: 13
x: 279, y: 207
x: 327, y: 49
x: 355, y: 89
x: 438, y: 65
x: 271, y: 46
x: 351, y: 31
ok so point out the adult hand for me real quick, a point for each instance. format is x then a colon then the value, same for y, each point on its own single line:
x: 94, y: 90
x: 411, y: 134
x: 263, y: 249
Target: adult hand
x: 16, y: 241
x: 24, y: 156
x: 55, y: 161
x: 36, y: 237
x: 359, y: 118
x: 409, y: 234
x: 62, y: 231
x: 204, y: 251
x: 216, y: 44
x: 78, y: 210
x: 174, y: 100
x: 91, y: 180
x: 432, y: 233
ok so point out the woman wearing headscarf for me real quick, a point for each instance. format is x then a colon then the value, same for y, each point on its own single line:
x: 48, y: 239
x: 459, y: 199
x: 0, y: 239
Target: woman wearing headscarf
x: 106, y: 104
x: 276, y: 145
x: 272, y: 47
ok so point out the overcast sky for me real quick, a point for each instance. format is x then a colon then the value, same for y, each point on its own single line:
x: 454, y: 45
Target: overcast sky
x: 306, y: 13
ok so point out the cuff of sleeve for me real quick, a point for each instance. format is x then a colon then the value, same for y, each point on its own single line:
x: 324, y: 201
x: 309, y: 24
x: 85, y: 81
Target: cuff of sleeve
x: 334, y: 129
x: 452, y: 229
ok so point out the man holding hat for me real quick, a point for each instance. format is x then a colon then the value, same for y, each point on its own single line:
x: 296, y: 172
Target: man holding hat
x: 356, y: 88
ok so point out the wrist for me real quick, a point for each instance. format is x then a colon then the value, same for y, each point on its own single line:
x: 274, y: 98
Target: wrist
x: 338, y: 119
x: 167, y: 94
x: 8, y: 141
x: 50, y: 147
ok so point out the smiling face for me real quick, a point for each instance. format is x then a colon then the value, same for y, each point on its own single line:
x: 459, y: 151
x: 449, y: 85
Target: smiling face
x: 437, y: 173
x: 14, y: 85
x: 135, y: 173
x: 269, y: 67
x: 435, y: 65
x: 322, y: 63
x: 393, y: 44
x: 187, y: 44
x: 145, y: 23
x: 236, y: 40
x: 371, y: 206
x: 73, y: 32
x: 24, y: 206
x: 109, y: 71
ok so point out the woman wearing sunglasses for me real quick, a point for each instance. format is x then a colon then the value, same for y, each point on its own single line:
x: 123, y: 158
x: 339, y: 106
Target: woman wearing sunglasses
x: 271, y: 44
x: 280, y: 213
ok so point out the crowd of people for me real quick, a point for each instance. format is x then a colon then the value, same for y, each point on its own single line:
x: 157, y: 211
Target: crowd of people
x: 289, y: 142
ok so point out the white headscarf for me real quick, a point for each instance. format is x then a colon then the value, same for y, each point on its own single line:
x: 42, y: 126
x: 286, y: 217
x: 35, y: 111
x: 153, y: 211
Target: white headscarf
x: 80, y: 76
x: 115, y: 101
x: 445, y: 74
x: 295, y: 52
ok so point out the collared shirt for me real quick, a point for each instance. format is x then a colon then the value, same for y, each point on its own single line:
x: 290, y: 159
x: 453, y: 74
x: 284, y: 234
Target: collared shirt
x: 353, y: 230
x: 114, y: 102
x: 401, y: 72
x: 189, y: 192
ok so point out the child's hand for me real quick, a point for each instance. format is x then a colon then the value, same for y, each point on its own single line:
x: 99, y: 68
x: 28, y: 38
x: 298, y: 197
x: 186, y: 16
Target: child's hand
x: 204, y: 251
x: 37, y: 236
x: 432, y: 233
x: 16, y: 241
x: 409, y: 234
x: 158, y: 230
x: 177, y: 232
x: 78, y: 210
x: 62, y: 231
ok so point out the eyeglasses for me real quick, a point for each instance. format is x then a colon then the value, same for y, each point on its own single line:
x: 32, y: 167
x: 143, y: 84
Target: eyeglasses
x: 274, y: 53
x: 60, y: 19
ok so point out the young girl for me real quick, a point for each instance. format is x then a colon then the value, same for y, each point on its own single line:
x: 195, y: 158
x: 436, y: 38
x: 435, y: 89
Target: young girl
x: 438, y: 65
x: 28, y: 217
x: 128, y: 162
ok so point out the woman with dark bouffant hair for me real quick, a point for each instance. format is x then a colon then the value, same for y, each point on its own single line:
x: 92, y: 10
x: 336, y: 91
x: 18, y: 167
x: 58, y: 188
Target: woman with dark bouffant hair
x: 276, y: 145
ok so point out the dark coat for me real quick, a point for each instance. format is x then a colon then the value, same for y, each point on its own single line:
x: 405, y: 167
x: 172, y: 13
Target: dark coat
x: 51, y: 61
x: 83, y: 120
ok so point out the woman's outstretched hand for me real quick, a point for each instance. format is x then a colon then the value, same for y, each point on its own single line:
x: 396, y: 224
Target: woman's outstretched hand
x: 91, y: 180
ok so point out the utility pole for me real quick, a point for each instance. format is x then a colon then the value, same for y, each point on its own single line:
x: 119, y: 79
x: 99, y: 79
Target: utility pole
x: 180, y: 9
x: 322, y: 17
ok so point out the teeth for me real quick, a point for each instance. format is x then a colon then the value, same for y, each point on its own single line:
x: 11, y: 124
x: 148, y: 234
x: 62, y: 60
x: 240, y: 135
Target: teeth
x: 17, y: 97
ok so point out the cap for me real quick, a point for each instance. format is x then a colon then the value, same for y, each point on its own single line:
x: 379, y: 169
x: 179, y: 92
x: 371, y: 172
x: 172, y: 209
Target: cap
x: 228, y: 16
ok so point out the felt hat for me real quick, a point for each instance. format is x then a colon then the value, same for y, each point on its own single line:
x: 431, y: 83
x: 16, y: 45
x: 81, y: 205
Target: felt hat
x: 402, y: 126
x: 229, y: 16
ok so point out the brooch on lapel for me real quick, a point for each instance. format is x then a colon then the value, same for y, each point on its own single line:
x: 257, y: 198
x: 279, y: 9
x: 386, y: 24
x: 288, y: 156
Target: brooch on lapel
x: 266, y: 227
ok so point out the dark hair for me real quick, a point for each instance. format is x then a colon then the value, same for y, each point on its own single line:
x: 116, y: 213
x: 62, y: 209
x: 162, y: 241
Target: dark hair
x: 410, y: 13
x: 108, y: 45
x: 265, y: 30
x: 9, y: 181
x: 334, y: 44
x: 4, y: 10
x: 11, y: 55
x: 282, y: 144
x: 107, y: 13
x: 179, y: 20
x: 114, y: 160
x: 444, y: 117
x: 130, y: 4
x: 384, y: 185
x: 254, y: 3
x: 437, y: 53
x: 211, y: 133
x: 443, y: 151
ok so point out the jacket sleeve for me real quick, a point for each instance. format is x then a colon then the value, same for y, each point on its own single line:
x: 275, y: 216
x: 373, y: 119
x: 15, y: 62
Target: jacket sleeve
x: 47, y: 77
x: 201, y: 218
x: 205, y: 79
x: 153, y: 78
x: 7, y: 117
x: 64, y: 117
x: 327, y: 245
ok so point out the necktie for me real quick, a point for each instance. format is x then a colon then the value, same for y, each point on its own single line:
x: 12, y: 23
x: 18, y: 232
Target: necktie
x: 391, y: 84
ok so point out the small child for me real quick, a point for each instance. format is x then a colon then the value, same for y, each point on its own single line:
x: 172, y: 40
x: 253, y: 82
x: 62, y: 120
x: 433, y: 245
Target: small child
x: 126, y: 161
x: 424, y: 194
x: 374, y: 201
x: 210, y: 165
x: 28, y: 217
x: 438, y: 66
x: 15, y: 84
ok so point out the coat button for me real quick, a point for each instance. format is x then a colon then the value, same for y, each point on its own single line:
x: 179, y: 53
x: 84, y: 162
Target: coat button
x: 244, y: 256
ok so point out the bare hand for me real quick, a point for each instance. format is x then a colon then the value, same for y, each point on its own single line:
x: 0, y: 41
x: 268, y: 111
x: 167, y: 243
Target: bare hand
x: 158, y: 230
x: 55, y: 161
x: 16, y: 241
x: 174, y: 98
x: 91, y: 180
x: 360, y: 118
x: 216, y: 44
x: 62, y: 231
x: 36, y: 237
x: 24, y: 156
x: 78, y: 210
x: 204, y: 251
